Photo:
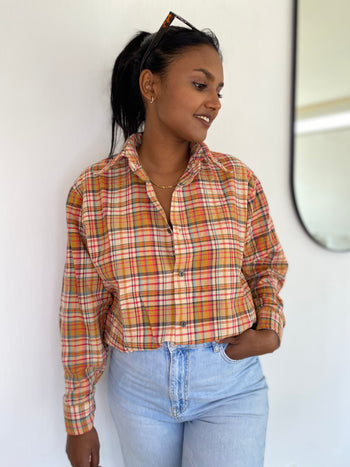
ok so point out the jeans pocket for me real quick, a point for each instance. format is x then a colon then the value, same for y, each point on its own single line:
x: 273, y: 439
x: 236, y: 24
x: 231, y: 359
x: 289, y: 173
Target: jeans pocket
x: 224, y: 355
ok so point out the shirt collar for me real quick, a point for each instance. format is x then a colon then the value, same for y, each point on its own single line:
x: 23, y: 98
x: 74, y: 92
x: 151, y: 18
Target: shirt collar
x: 200, y: 153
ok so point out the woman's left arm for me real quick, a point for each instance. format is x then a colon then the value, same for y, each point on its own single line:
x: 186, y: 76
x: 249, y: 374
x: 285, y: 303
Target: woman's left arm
x: 264, y: 268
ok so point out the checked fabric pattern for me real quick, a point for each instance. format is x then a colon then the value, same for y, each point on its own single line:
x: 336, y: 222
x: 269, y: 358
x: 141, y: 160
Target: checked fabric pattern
x: 132, y: 282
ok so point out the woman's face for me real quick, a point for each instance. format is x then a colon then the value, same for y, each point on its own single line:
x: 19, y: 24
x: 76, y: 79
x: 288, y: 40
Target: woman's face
x: 187, y: 98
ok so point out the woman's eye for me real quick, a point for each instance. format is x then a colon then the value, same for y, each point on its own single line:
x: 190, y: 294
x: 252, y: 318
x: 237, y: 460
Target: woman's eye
x: 202, y: 86
x: 199, y: 86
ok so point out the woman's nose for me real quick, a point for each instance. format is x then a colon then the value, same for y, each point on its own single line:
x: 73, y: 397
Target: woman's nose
x: 214, y: 102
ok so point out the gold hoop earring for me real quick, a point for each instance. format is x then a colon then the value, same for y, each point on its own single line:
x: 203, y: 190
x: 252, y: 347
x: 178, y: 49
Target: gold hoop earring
x: 152, y: 100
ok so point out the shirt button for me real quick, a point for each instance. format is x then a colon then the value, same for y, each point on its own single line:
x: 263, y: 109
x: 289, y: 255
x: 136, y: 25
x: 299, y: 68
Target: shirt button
x: 181, y: 273
x: 183, y: 324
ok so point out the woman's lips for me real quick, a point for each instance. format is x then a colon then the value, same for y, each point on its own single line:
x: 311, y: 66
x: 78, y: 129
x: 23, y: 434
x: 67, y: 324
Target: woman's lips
x: 204, y: 119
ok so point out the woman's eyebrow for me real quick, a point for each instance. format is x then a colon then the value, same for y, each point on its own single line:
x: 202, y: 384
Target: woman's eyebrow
x: 209, y: 75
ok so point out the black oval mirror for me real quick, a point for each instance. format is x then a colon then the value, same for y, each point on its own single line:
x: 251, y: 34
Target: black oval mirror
x: 320, y: 139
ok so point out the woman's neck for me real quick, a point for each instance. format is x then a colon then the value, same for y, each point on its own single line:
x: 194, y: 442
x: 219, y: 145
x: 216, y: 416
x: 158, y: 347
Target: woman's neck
x: 163, y: 156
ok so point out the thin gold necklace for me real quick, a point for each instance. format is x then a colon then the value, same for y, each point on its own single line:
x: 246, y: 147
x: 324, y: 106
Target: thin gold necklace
x: 162, y: 186
x: 165, y: 186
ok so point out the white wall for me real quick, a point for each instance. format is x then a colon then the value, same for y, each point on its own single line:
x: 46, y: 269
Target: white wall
x: 56, y: 59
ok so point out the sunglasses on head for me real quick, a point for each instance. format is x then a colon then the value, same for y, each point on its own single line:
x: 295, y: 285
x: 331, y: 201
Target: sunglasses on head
x: 155, y: 41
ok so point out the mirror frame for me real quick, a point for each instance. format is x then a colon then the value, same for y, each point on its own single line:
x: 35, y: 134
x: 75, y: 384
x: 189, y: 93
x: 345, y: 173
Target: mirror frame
x: 292, y: 120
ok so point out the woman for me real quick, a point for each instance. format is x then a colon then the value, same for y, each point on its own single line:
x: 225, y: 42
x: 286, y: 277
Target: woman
x: 173, y: 263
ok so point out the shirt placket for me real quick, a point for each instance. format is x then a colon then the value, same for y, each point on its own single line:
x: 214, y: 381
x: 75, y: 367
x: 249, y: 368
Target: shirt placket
x: 181, y: 273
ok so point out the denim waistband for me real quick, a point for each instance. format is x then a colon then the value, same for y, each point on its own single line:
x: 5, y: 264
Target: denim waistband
x: 171, y: 346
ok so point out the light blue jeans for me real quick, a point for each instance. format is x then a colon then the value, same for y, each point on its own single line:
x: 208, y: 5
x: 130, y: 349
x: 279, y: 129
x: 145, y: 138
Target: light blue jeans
x: 188, y: 406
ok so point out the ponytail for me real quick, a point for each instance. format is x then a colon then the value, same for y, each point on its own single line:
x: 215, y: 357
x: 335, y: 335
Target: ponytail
x: 126, y: 100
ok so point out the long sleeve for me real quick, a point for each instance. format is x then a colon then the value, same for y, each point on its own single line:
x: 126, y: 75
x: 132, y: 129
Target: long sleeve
x: 264, y: 263
x: 84, y: 306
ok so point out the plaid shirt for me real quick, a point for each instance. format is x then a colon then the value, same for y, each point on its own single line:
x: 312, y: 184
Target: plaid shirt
x: 132, y: 282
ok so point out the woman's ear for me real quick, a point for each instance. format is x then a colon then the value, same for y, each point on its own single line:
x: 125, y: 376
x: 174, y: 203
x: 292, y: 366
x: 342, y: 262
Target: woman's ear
x: 147, y: 86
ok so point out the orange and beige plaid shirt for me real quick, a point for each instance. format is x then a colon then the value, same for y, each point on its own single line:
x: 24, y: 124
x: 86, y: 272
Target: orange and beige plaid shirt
x: 132, y: 282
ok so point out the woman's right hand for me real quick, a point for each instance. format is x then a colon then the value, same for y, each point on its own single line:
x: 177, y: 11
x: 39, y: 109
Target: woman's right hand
x: 83, y: 450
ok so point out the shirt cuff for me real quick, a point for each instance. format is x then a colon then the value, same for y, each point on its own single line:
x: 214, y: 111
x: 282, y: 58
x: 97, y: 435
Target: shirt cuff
x: 79, y: 419
x: 273, y: 321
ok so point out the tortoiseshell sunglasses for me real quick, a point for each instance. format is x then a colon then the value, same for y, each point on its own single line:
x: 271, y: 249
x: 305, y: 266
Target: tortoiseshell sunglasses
x: 155, y: 41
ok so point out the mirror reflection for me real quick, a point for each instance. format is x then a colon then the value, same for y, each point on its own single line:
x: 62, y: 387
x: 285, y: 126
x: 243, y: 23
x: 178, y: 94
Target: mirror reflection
x: 321, y: 155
